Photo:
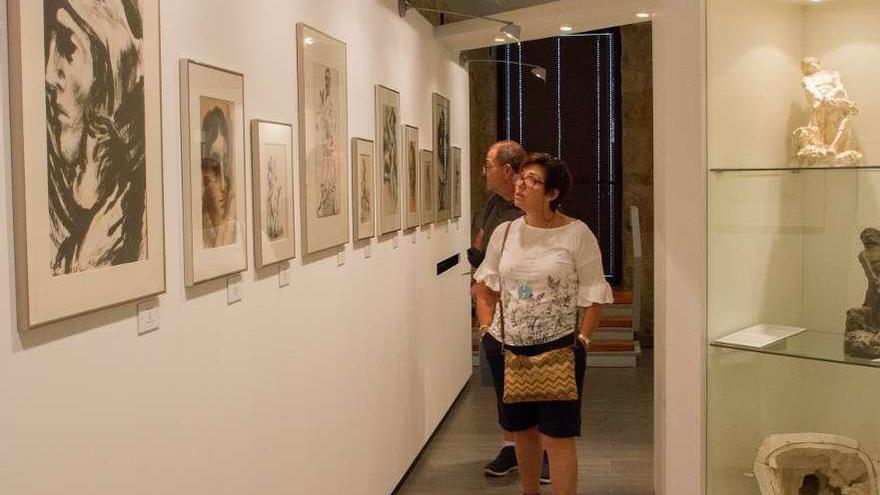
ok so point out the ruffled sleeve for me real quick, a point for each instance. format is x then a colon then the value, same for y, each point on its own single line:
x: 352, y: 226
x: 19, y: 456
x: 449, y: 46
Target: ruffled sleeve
x: 488, y: 272
x: 592, y: 286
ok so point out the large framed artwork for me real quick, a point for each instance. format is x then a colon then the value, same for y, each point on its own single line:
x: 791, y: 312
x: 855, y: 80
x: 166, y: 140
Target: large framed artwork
x: 212, y: 150
x: 362, y: 174
x: 323, y: 138
x: 456, y: 182
x: 426, y: 172
x: 411, y: 177
x: 442, y: 152
x: 86, y: 155
x: 388, y: 151
x: 272, y: 182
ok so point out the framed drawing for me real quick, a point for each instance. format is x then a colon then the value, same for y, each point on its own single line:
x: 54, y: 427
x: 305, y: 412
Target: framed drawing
x: 212, y: 148
x: 426, y: 172
x: 388, y: 149
x: 323, y: 138
x: 456, y: 182
x: 442, y: 183
x: 362, y: 174
x: 86, y: 155
x: 272, y: 182
x: 411, y: 177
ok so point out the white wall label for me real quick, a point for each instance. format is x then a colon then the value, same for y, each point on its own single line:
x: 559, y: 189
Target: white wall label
x: 233, y: 288
x: 395, y: 242
x: 283, y: 275
x: 148, y: 316
x: 340, y: 256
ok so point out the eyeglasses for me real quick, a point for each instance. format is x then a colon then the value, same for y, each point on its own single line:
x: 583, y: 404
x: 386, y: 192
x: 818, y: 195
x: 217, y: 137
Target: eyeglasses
x: 529, y: 180
x: 487, y: 167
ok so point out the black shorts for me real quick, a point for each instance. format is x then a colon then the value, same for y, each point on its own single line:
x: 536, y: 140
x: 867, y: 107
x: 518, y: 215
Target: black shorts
x: 560, y: 419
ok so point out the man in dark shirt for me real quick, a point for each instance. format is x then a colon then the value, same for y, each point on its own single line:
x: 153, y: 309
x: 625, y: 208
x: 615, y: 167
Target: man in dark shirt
x: 503, y: 162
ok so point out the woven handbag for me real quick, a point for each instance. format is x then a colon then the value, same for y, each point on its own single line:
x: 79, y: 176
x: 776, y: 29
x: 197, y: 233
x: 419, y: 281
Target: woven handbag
x: 548, y: 376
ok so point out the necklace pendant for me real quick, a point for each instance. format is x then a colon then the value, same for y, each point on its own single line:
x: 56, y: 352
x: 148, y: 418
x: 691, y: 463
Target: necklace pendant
x: 524, y: 291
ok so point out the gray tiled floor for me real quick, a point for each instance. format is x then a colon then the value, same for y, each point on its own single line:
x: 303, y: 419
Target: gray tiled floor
x: 615, y: 451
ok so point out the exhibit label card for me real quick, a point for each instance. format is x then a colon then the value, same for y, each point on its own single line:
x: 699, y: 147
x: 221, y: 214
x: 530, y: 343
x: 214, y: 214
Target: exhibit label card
x: 760, y: 336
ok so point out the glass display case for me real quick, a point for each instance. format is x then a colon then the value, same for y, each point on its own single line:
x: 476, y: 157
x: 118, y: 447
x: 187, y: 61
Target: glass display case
x: 793, y: 107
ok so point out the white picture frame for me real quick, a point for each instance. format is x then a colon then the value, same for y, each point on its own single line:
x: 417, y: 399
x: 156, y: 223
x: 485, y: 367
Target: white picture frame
x: 411, y: 204
x: 388, y: 163
x: 456, y: 182
x: 426, y: 172
x: 363, y: 179
x: 273, y: 198
x: 323, y: 139
x: 91, y: 235
x: 442, y: 159
x: 213, y: 166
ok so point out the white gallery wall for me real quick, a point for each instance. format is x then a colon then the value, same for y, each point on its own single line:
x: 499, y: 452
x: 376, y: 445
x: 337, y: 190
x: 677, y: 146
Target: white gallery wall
x: 329, y: 385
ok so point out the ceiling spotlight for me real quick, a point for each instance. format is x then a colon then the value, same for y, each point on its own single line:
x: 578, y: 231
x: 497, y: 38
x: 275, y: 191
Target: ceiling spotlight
x: 308, y: 40
x: 512, y: 31
x: 499, y: 39
x: 565, y: 28
x: 540, y: 73
x: 643, y: 15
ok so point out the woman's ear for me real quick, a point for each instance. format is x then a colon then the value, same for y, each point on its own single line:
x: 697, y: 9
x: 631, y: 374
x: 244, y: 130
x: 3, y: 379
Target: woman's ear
x: 552, y: 195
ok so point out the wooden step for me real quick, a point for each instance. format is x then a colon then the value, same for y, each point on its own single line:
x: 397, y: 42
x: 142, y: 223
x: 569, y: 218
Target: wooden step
x: 616, y: 322
x: 613, y: 334
x: 623, y: 297
x: 612, y: 346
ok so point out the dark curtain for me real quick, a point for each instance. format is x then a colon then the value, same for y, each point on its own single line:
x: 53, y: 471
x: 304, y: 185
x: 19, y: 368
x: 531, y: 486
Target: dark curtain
x: 573, y: 115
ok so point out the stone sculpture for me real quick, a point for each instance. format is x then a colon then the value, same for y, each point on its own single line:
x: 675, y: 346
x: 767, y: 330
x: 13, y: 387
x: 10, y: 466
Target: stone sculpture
x: 815, y: 464
x: 862, y: 333
x: 825, y: 140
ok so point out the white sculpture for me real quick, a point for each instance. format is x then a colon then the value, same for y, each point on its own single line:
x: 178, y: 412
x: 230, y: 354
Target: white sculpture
x: 815, y: 464
x: 825, y: 140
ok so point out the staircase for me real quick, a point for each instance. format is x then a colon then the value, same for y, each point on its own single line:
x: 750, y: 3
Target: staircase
x: 615, y: 342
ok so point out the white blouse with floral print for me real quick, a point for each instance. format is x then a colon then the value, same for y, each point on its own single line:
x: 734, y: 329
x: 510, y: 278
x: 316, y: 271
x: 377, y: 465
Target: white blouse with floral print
x: 546, y: 275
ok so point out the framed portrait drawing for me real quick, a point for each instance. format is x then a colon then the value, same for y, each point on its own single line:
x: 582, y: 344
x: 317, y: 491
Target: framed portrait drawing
x: 272, y: 182
x: 456, y: 182
x: 411, y: 177
x: 212, y: 148
x: 442, y: 161
x: 388, y: 151
x: 86, y: 155
x: 426, y: 172
x: 323, y: 139
x: 362, y: 174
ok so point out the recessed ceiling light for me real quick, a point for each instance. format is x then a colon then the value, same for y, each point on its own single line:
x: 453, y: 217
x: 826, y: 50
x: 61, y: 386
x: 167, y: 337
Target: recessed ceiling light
x: 500, y: 40
x: 565, y: 28
x: 308, y: 40
x: 643, y: 15
x: 816, y: 1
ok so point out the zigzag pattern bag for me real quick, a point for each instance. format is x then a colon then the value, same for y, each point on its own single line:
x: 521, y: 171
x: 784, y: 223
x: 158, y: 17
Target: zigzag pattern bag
x: 549, y: 376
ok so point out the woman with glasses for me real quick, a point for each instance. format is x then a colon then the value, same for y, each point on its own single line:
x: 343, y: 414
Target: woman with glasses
x: 550, y: 280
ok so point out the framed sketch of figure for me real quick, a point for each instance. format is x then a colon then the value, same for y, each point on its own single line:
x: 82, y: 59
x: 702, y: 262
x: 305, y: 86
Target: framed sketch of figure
x: 362, y: 173
x: 456, y: 182
x: 212, y: 147
x: 442, y: 162
x: 411, y: 177
x: 272, y: 182
x: 388, y: 151
x: 85, y: 105
x: 426, y: 172
x: 323, y: 139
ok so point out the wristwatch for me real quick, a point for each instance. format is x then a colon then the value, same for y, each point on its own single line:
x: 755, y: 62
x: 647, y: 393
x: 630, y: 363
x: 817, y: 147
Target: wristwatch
x: 584, y: 340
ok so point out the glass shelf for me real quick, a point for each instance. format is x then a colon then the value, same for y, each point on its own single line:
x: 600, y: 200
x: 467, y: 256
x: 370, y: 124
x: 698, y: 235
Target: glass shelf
x: 809, y: 344
x: 790, y: 169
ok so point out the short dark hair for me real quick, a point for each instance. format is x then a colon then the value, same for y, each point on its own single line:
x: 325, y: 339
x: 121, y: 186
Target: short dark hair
x: 510, y: 152
x: 556, y: 175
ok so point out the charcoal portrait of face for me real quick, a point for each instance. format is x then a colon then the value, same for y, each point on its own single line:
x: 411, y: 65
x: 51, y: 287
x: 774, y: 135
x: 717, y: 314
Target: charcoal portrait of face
x: 95, y: 130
